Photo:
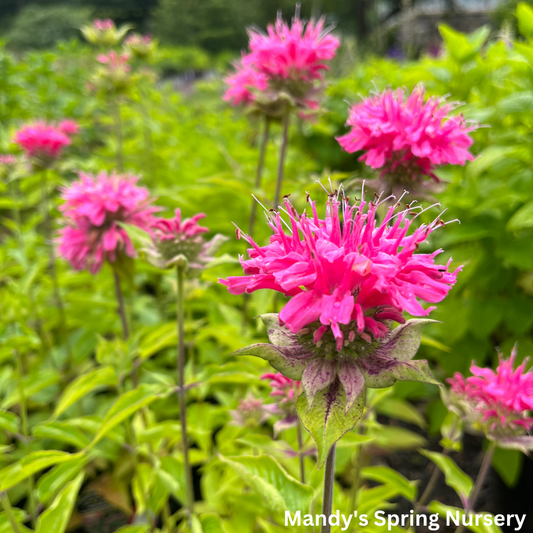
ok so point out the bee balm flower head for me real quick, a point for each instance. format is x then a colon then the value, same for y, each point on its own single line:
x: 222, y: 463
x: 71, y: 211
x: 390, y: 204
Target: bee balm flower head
x: 347, y: 278
x: 286, y: 392
x: 175, y: 240
x: 496, y: 402
x: 93, y: 210
x: 42, y: 142
x: 407, y: 138
x: 284, y: 68
x: 104, y: 32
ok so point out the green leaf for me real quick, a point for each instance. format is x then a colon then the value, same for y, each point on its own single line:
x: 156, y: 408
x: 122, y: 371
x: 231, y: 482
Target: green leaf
x: 33, y: 383
x: 31, y: 464
x: 281, y: 491
x: 52, y: 481
x: 524, y: 14
x: 158, y: 339
x: 387, y: 475
x: 453, y: 475
x: 443, y: 510
x: 55, y: 519
x: 457, y: 44
x: 9, y: 422
x: 395, y: 437
x: 326, y: 420
x: 508, y: 464
x: 517, y: 103
x: 401, y: 410
x: 127, y: 404
x: 523, y: 218
x: 85, y: 384
x: 140, y: 528
x: 62, y: 432
x: 211, y: 523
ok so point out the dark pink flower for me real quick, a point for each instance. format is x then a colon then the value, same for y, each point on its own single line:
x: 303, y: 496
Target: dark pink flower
x: 348, y: 275
x: 41, y: 140
x: 68, y: 127
x: 242, y: 85
x: 496, y: 402
x: 297, y: 53
x: 93, y: 210
x: 407, y: 137
x: 286, y: 392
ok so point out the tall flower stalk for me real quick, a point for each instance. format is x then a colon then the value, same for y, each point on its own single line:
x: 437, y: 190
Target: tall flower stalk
x: 121, y: 307
x: 348, y: 279
x: 179, y: 244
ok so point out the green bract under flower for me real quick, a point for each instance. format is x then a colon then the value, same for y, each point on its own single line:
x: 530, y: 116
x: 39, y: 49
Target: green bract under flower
x: 334, y: 380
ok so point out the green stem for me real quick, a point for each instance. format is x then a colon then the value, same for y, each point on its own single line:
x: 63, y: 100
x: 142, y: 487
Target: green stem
x: 189, y: 488
x: 300, y: 451
x: 259, y: 174
x: 147, y: 133
x: 25, y: 431
x: 121, y: 307
x: 281, y: 162
x: 329, y: 479
x: 48, y: 235
x: 119, y: 134
x: 485, y: 465
x: 9, y: 512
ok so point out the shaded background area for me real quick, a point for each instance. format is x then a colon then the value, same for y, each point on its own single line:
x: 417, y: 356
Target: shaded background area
x: 393, y: 26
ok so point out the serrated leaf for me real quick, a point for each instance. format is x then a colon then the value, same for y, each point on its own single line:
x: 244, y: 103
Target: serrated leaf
x: 55, y: 519
x: 281, y: 491
x: 453, y: 475
x: 85, y: 384
x: 326, y: 420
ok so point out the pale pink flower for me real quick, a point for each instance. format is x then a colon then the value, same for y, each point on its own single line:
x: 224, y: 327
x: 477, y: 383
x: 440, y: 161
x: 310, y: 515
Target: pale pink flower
x: 250, y: 413
x: 105, y: 24
x: 93, y: 210
x: 41, y: 140
x: 407, y: 137
x: 174, y: 239
x: 286, y: 392
x: 496, y: 402
x: 114, y: 61
x: 242, y: 85
x: 68, y: 127
x: 348, y: 275
x: 7, y: 159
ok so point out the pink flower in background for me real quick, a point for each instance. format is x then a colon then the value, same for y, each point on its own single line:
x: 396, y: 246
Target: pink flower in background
x: 136, y: 39
x: 297, y: 53
x: 242, y: 83
x: 115, y: 61
x: 93, y: 209
x: 175, y: 239
x: 499, y: 400
x: 403, y: 134
x: 41, y: 140
x: 348, y: 275
x: 105, y: 24
x: 7, y: 159
x: 284, y: 389
x: 250, y: 413
x: 68, y: 127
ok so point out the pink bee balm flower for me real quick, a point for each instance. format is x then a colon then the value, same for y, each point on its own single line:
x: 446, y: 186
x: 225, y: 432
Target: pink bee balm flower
x: 42, y: 141
x: 68, y: 127
x: 242, y: 85
x: 105, y: 24
x: 498, y: 403
x: 115, y: 61
x: 175, y: 240
x: 286, y: 392
x: 406, y: 137
x: 93, y: 209
x: 250, y: 413
x: 7, y: 160
x: 297, y: 53
x: 348, y: 277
